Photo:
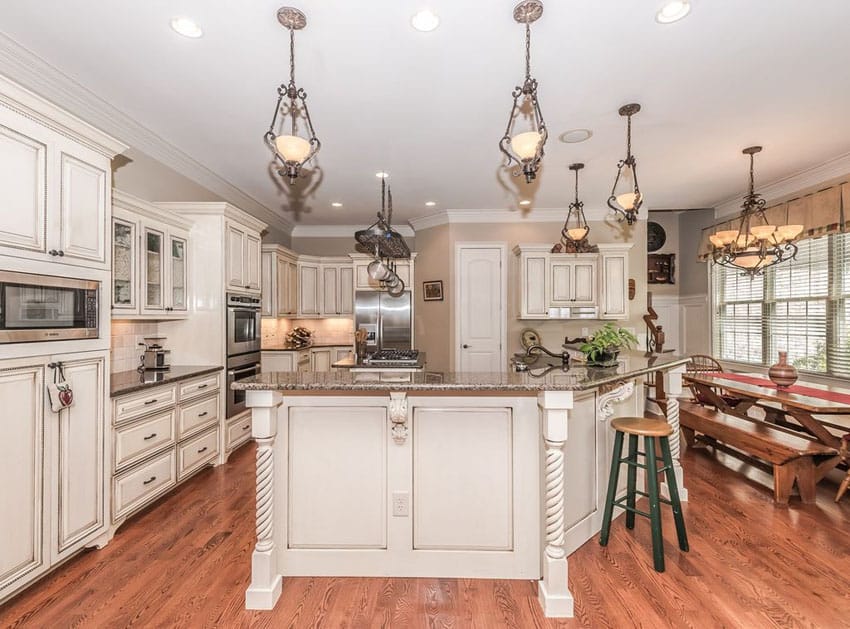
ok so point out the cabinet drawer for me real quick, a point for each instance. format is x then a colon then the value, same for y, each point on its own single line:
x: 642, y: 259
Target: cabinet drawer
x: 199, y: 386
x: 137, y: 404
x: 134, y: 442
x: 196, y: 452
x: 135, y: 488
x: 238, y: 431
x: 192, y: 415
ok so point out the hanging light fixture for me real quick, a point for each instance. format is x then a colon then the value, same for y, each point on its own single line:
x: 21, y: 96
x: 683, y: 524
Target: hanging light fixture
x: 626, y: 197
x: 575, y: 231
x: 526, y: 148
x: 756, y: 244
x: 291, y: 150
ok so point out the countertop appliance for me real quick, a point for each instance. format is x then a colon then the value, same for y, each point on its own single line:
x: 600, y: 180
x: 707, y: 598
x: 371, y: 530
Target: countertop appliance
x: 386, y: 319
x: 243, y: 324
x: 47, y: 308
x: 238, y: 368
x: 155, y: 357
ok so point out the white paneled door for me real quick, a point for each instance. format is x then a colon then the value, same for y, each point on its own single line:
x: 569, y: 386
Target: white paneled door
x: 481, y: 296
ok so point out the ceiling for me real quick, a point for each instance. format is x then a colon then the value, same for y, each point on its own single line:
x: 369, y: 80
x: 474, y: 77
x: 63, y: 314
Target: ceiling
x: 429, y: 108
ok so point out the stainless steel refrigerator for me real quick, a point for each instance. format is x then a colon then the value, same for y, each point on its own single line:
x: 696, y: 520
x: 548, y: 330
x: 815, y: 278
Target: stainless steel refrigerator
x: 387, y: 319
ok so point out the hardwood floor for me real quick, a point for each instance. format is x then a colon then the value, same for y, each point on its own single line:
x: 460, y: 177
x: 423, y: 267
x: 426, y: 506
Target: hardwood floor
x: 185, y: 563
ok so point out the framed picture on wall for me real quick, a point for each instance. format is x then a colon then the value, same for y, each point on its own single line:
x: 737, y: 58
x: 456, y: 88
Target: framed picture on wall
x: 433, y: 291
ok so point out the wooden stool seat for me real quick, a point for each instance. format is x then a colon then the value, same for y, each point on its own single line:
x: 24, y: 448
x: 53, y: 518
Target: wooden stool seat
x: 650, y: 430
x: 642, y: 426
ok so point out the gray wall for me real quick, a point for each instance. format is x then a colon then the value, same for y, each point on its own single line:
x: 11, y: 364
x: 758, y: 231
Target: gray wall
x: 693, y: 275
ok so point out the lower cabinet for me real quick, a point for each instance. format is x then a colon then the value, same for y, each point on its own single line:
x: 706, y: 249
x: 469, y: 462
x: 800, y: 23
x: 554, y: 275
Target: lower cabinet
x: 238, y: 431
x: 320, y: 359
x: 52, y: 473
x: 161, y: 436
x: 313, y: 359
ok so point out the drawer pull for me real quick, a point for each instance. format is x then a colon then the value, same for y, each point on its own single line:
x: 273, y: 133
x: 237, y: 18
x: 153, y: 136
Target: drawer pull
x: 204, y: 449
x: 150, y: 436
x: 153, y: 401
x: 203, y: 386
x: 149, y: 481
x: 246, y: 427
x: 204, y: 414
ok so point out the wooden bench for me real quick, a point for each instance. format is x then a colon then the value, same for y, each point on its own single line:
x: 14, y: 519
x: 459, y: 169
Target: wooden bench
x: 795, y: 458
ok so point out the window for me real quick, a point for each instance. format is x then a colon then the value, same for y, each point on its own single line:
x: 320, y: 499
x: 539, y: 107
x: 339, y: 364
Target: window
x: 801, y: 306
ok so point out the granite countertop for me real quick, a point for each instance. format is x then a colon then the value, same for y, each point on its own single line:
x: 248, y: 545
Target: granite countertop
x: 544, y: 378
x: 284, y: 347
x: 349, y: 363
x: 130, y: 381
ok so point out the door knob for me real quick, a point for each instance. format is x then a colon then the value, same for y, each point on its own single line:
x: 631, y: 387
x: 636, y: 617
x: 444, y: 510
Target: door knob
x: 465, y: 346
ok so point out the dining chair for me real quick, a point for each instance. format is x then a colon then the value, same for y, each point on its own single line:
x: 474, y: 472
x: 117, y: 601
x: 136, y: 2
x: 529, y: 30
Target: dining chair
x: 701, y: 364
x: 844, y: 451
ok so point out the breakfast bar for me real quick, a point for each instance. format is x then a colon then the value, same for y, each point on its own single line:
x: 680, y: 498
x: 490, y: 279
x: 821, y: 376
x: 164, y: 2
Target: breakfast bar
x: 474, y: 475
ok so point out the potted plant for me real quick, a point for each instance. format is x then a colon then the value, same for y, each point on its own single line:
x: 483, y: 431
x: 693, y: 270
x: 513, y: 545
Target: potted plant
x: 602, y: 348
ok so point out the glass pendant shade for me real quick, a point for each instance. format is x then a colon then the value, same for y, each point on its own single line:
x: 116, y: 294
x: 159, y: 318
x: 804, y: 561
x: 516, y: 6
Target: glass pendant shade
x: 788, y: 232
x: 727, y: 236
x: 525, y: 145
x: 762, y: 232
x: 577, y: 233
x: 624, y: 193
x: 292, y: 148
x: 626, y: 197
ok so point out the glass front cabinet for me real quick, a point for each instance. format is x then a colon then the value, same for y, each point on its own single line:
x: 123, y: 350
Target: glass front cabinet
x: 150, y: 262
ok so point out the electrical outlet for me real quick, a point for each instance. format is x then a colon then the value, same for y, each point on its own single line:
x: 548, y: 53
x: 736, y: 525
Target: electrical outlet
x: 585, y: 332
x: 401, y: 504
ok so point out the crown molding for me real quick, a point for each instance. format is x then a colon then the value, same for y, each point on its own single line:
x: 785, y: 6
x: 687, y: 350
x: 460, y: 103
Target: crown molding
x: 215, y: 208
x: 125, y: 201
x: 792, y: 184
x: 48, y: 82
x: 537, y: 215
x: 340, y: 231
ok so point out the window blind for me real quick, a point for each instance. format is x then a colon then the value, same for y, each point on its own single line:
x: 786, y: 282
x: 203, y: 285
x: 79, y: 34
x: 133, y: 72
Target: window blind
x: 801, y: 306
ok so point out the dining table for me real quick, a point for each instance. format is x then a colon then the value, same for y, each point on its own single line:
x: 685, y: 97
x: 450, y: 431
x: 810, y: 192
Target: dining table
x: 814, y: 408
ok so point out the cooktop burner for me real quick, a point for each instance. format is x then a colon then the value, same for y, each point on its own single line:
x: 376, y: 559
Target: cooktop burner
x: 405, y: 356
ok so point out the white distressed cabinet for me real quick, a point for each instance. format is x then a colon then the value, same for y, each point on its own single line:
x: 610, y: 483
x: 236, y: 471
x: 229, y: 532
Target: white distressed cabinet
x: 56, y: 179
x: 52, y: 465
x: 309, y: 284
x: 150, y: 252
x: 362, y: 280
x: 243, y: 262
x: 320, y: 359
x: 279, y: 282
x: 278, y: 361
x: 573, y: 279
x: 615, y: 292
x: 337, y: 295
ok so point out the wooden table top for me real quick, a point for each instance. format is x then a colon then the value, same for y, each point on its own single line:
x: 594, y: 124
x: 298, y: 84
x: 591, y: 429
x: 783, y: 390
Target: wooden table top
x: 810, y: 403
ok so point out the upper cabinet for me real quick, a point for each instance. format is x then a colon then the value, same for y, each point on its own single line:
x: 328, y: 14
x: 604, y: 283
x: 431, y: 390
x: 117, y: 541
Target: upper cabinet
x: 150, y: 251
x: 56, y: 180
x: 573, y: 285
x: 337, y: 296
x: 243, y: 258
x: 362, y: 280
x: 308, y: 288
x: 279, y: 281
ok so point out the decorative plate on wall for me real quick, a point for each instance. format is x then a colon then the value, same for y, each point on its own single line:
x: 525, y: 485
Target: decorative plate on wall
x: 655, y: 236
x: 529, y: 337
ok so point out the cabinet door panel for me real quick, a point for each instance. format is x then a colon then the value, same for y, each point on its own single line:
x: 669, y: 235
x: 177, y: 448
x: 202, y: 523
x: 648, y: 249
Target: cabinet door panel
x: 21, y: 465
x: 124, y: 265
x: 309, y: 294
x: 346, y: 290
x: 320, y: 359
x: 535, y: 287
x: 82, y: 210
x: 277, y: 361
x: 79, y: 492
x: 292, y: 287
x: 615, y: 283
x: 22, y: 199
x: 562, y: 283
x: 330, y: 289
x: 253, y: 253
x: 178, y: 273
x: 153, y: 269
x: 235, y: 257
x: 584, y: 284
x: 281, y: 287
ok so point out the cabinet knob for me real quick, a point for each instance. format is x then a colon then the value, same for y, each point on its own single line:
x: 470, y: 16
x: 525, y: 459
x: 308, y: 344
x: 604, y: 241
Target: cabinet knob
x: 61, y: 253
x: 465, y: 346
x: 53, y: 252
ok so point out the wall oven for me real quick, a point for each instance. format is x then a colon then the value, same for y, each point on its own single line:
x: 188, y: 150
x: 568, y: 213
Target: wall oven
x: 243, y: 324
x: 239, y: 368
x: 47, y: 308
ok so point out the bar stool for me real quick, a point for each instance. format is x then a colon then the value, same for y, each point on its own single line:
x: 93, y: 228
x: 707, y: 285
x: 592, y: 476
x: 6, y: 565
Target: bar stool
x: 649, y: 429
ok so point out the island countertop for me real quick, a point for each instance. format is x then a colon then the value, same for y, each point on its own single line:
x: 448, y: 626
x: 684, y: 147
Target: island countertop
x: 577, y: 378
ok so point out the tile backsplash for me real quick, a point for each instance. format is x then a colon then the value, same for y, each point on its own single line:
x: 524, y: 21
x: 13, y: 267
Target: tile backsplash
x: 336, y: 331
x: 126, y: 336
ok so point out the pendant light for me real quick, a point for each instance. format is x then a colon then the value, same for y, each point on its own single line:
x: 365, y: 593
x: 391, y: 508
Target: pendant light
x: 291, y: 150
x: 575, y: 231
x: 626, y: 197
x: 526, y: 147
x: 756, y: 244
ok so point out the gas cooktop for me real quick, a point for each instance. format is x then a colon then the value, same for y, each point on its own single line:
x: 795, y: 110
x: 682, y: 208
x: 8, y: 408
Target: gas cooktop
x: 396, y: 356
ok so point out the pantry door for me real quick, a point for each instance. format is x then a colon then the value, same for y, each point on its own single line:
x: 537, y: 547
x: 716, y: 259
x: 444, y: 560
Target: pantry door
x: 481, y: 296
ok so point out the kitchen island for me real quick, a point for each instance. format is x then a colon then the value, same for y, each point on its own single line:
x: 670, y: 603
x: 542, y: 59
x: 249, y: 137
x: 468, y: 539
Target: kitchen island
x: 487, y: 475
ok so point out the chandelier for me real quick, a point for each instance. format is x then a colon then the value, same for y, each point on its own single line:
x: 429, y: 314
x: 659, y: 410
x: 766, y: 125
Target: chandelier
x: 756, y: 244
x: 291, y: 151
x: 626, y: 197
x: 526, y: 148
x: 575, y: 230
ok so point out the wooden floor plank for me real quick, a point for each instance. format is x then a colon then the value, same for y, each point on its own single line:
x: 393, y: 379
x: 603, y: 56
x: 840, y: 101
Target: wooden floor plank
x: 185, y: 562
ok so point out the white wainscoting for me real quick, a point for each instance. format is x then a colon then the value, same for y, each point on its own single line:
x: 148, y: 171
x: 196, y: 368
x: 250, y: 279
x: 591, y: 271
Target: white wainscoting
x: 686, y: 323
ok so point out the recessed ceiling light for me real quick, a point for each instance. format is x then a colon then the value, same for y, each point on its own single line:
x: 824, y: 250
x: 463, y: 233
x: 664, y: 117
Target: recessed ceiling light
x: 336, y: 204
x: 574, y: 136
x: 382, y: 175
x: 186, y: 27
x: 430, y: 203
x: 673, y: 11
x: 525, y: 202
x: 425, y: 20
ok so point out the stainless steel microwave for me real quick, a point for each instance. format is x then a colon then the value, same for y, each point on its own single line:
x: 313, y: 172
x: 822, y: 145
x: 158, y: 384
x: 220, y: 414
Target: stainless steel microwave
x: 47, y: 308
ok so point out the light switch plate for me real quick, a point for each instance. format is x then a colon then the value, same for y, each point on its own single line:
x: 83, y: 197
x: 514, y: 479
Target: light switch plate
x: 401, y: 504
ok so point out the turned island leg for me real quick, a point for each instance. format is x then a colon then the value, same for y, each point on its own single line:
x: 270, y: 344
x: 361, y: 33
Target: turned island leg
x: 266, y: 581
x: 673, y: 387
x: 553, y: 590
